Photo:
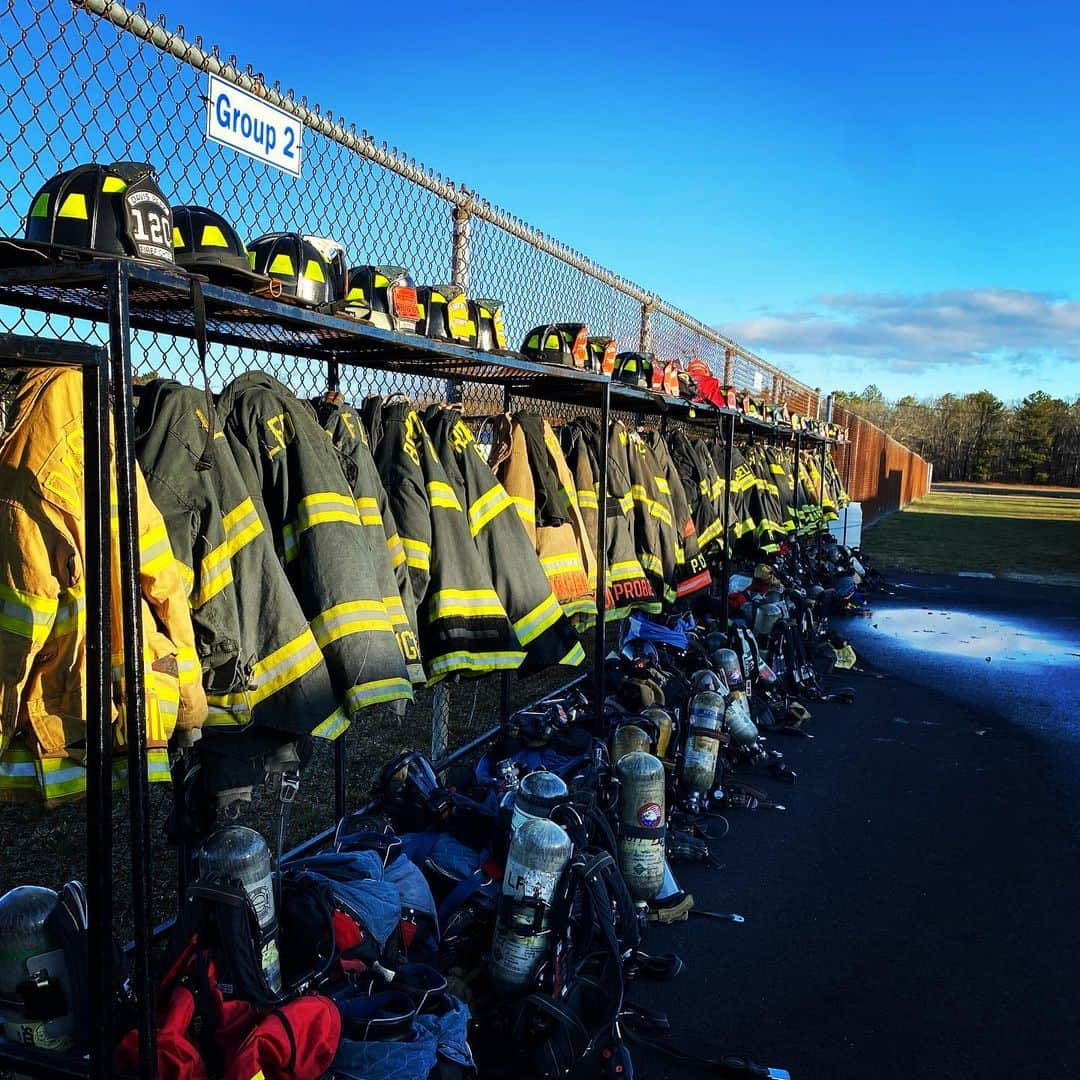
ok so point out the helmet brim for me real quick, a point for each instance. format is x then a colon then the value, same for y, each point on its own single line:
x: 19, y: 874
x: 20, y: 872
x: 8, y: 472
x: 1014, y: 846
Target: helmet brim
x: 16, y: 253
x: 230, y: 276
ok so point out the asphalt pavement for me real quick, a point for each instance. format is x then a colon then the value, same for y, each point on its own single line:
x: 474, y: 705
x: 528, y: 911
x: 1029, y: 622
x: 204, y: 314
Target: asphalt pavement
x: 915, y: 913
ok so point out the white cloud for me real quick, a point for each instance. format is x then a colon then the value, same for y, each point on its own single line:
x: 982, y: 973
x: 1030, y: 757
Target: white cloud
x: 910, y: 333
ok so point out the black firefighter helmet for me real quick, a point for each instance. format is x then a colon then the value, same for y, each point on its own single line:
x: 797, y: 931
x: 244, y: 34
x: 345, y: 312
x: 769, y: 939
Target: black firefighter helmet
x: 562, y: 344
x: 635, y: 368
x: 602, y: 352
x: 310, y: 269
x: 385, y: 296
x: 205, y: 243
x: 444, y: 313
x: 93, y: 210
x: 487, y: 314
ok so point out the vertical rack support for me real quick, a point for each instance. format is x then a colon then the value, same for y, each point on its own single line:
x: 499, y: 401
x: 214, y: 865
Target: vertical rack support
x: 98, y: 727
x: 729, y: 446
x: 601, y: 546
x: 506, y: 677
x: 796, y: 477
x: 134, y: 695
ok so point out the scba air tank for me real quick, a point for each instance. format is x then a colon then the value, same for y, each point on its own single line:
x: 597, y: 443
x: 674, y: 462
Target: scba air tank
x: 642, y: 828
x: 537, y: 795
x: 31, y: 958
x: 703, y: 737
x: 238, y: 853
x: 628, y: 739
x: 740, y: 726
x: 539, y: 853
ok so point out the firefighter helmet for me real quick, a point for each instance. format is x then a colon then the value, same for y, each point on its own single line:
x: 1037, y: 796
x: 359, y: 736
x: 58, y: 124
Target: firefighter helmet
x: 487, y: 315
x: 116, y: 210
x: 602, y: 352
x: 205, y: 243
x: 563, y: 344
x: 385, y: 296
x: 443, y: 313
x: 634, y: 368
x: 311, y: 270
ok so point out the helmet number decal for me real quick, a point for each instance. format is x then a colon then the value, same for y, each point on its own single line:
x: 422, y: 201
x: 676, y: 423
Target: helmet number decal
x: 149, y: 222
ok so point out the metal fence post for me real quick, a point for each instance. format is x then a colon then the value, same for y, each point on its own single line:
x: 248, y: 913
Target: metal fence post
x: 459, y: 263
x: 729, y: 367
x: 646, y: 338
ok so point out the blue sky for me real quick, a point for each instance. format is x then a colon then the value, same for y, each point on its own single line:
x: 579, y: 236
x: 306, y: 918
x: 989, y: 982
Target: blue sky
x: 862, y: 196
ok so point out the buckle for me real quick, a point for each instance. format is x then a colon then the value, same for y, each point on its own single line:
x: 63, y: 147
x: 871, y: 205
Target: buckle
x: 290, y: 785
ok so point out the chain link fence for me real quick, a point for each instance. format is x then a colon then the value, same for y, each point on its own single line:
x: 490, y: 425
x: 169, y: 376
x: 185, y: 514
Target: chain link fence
x: 95, y: 81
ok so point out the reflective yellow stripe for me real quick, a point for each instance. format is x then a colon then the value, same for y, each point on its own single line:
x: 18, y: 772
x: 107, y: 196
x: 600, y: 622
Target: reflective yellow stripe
x: 215, y: 573
x: 542, y: 617
x: 492, y: 503
x: 442, y: 495
x: 320, y: 508
x: 651, y: 562
x: 655, y: 509
x: 464, y: 603
x: 242, y: 524
x: 335, y: 725
x: 584, y: 606
x: 368, y: 510
x: 712, y: 531
x: 283, y: 666
x: 324, y: 506
x: 353, y: 617
x: 377, y: 692
x: 574, y: 657
x: 18, y: 775
x: 396, y: 549
x: 662, y: 485
x: 61, y: 778
x: 625, y: 571
x: 555, y: 564
x: 525, y: 508
x: 587, y: 499
x: 26, y: 615
x: 154, y: 550
x: 417, y: 553
x: 470, y: 661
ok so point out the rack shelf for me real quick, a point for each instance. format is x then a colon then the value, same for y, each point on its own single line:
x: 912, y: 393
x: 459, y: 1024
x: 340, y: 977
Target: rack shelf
x: 160, y: 301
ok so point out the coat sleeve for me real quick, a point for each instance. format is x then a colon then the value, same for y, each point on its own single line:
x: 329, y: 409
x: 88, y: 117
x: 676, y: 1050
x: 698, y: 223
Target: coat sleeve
x: 164, y: 590
x: 29, y: 600
x: 398, y: 460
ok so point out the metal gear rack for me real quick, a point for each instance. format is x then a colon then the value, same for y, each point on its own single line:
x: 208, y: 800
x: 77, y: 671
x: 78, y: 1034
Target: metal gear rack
x: 128, y: 297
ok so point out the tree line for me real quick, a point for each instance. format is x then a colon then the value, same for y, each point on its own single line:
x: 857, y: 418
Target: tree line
x: 978, y: 437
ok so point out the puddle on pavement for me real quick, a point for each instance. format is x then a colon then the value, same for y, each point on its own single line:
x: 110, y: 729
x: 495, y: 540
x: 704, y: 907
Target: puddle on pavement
x: 975, y: 636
